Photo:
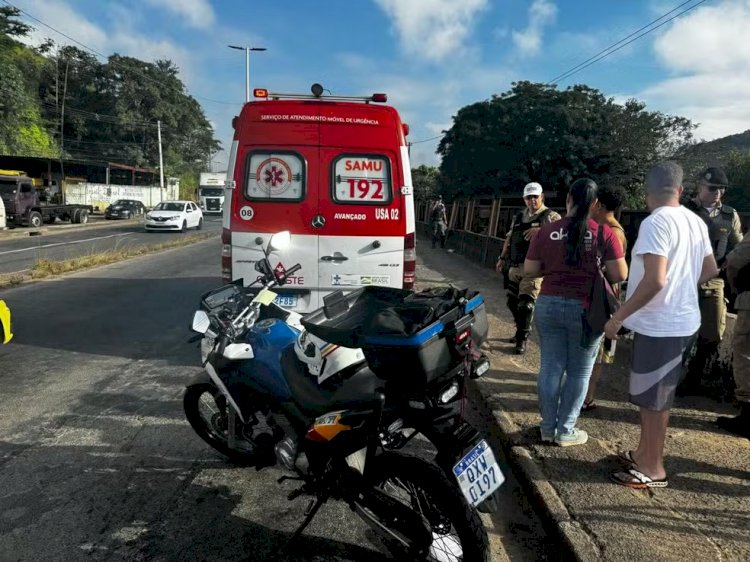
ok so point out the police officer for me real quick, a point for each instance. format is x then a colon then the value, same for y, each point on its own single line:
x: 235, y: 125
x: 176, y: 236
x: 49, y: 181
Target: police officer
x: 438, y: 222
x: 523, y: 291
x: 725, y: 232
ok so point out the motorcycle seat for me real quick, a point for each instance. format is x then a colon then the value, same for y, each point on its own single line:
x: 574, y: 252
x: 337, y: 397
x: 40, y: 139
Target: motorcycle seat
x: 358, y: 389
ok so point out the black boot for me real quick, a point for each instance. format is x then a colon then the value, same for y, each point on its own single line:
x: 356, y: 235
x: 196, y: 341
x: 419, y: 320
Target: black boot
x: 521, y: 342
x: 739, y: 425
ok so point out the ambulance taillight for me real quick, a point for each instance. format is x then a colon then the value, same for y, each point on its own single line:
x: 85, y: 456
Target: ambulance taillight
x: 410, y: 260
x: 226, y: 255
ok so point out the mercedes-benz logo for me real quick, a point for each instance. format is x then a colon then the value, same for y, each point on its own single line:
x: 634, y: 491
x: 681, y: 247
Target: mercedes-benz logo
x: 318, y: 221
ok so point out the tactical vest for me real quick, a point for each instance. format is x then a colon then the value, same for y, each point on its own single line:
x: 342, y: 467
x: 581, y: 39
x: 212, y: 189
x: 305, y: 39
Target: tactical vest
x: 437, y: 213
x: 518, y: 244
x: 719, y: 228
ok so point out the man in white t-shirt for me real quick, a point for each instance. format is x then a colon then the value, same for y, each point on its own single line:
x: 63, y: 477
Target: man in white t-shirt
x: 671, y: 257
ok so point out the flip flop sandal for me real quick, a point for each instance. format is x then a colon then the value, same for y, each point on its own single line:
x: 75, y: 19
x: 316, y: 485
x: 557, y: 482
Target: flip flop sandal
x: 636, y: 480
x: 588, y: 406
x: 626, y: 457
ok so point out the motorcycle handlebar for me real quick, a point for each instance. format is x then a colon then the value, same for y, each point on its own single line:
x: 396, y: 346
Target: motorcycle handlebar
x: 223, y: 341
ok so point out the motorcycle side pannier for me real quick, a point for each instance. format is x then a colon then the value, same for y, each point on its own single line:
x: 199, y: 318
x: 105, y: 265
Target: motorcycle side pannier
x: 406, y: 337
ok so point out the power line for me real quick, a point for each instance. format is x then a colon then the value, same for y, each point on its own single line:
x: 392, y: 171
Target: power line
x: 634, y: 36
x: 427, y: 140
x: 624, y: 41
x: 86, y: 47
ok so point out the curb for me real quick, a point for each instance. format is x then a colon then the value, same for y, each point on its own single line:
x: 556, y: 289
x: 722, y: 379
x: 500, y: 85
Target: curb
x: 549, y: 506
x: 11, y: 233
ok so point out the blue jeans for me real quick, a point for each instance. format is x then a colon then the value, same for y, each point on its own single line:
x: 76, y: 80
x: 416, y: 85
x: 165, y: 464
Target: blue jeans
x: 567, y: 359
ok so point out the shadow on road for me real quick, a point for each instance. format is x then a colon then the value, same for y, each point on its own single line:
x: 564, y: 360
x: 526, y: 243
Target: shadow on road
x: 128, y: 318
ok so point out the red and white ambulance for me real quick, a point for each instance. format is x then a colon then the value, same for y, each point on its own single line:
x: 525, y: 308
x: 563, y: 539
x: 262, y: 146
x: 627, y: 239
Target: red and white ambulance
x: 335, y: 172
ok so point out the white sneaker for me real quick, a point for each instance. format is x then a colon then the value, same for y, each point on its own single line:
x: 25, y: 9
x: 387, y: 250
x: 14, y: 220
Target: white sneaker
x: 575, y: 437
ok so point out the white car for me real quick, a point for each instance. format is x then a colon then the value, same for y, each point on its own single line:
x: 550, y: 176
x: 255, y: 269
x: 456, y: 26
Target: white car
x: 174, y: 215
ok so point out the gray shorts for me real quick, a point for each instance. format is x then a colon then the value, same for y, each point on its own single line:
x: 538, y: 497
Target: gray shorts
x: 657, y: 367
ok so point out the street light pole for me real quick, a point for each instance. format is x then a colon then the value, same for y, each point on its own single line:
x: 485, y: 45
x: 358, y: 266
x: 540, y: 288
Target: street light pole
x: 247, y: 66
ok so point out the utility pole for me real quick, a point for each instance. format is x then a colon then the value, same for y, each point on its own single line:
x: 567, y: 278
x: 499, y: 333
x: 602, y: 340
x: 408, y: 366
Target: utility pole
x: 62, y: 134
x: 161, y: 162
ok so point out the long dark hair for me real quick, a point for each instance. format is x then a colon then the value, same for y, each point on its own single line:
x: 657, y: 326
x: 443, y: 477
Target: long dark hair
x: 582, y: 193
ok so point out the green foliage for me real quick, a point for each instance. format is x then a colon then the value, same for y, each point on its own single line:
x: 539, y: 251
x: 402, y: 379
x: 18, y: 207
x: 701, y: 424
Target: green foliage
x: 718, y: 152
x: 106, y: 111
x: 538, y: 133
x: 738, y: 171
x: 425, y: 181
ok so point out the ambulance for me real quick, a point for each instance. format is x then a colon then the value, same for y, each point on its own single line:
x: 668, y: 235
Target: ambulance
x: 332, y: 170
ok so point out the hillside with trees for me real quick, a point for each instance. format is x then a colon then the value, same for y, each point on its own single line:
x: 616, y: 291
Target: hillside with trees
x: 62, y: 101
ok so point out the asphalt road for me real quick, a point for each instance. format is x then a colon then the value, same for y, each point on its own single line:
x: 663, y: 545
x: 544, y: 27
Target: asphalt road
x: 96, y: 459
x: 21, y: 253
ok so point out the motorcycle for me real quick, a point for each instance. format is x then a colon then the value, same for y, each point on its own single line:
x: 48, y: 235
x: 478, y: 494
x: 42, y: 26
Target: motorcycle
x: 341, y: 436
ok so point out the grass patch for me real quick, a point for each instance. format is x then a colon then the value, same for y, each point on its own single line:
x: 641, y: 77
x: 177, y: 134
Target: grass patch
x: 49, y: 268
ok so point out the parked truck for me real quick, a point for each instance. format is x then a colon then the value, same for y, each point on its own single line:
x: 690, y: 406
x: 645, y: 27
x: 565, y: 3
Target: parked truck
x: 211, y: 192
x: 26, y: 205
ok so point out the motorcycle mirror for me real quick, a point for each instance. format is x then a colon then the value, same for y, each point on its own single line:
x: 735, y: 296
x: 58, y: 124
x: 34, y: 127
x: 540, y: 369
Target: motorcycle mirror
x: 201, y: 322
x: 279, y: 241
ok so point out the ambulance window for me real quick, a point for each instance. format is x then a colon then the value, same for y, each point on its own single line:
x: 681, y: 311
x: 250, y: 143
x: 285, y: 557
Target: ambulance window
x: 360, y: 179
x: 275, y: 176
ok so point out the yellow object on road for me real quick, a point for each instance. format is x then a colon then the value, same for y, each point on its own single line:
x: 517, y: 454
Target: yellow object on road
x: 5, y: 332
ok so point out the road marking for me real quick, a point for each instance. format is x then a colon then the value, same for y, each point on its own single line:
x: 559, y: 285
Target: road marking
x: 63, y: 243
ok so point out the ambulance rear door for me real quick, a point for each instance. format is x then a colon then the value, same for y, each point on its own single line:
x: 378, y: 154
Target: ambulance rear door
x: 281, y: 193
x: 362, y: 241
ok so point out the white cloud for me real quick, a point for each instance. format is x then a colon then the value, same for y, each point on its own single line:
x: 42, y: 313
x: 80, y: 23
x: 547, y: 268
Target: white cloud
x: 122, y: 39
x: 707, y: 52
x: 62, y: 16
x: 197, y: 13
x: 541, y: 14
x: 433, y: 29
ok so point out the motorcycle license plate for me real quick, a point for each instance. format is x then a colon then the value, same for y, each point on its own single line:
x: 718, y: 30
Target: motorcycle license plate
x: 478, y: 473
x: 286, y: 301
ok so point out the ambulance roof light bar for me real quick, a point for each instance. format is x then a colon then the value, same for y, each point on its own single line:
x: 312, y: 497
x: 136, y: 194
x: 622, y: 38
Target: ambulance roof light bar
x: 317, y: 93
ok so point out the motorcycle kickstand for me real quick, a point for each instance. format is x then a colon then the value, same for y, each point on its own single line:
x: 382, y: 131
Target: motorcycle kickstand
x: 310, y: 512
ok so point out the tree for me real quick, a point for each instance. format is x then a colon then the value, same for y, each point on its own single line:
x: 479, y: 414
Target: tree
x: 535, y: 132
x: 424, y: 179
x: 738, y: 173
x: 9, y: 24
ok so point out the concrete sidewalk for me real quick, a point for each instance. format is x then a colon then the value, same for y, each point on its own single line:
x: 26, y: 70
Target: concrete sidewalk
x: 704, y: 514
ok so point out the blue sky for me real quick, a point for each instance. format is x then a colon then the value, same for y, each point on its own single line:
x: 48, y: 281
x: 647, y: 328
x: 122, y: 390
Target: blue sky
x: 431, y: 56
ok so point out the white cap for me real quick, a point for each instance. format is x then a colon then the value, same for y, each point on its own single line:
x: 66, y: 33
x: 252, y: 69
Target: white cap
x: 532, y: 188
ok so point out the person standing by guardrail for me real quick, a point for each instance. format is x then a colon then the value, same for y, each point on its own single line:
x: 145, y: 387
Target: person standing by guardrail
x: 725, y: 232
x: 671, y: 257
x: 565, y: 253
x: 609, y: 200
x: 523, y: 290
x: 738, y: 276
x: 438, y: 222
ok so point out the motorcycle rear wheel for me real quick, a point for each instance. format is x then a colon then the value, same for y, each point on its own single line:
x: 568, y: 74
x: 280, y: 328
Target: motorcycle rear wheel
x: 457, y: 530
x: 206, y: 409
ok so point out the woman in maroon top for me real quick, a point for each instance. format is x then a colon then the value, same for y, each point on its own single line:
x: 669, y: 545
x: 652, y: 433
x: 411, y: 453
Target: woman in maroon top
x: 563, y: 252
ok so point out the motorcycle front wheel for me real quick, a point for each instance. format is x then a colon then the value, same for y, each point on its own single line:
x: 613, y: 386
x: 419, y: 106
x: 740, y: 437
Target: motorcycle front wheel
x: 207, y: 410
x: 457, y: 530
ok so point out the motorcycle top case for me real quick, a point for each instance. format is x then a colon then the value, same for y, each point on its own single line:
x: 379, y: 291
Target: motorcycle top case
x: 405, y: 336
